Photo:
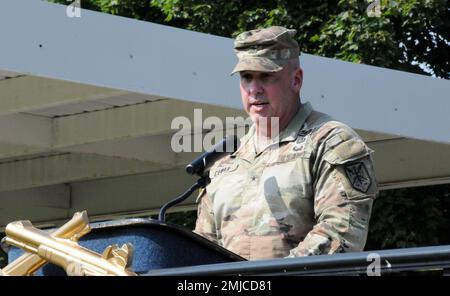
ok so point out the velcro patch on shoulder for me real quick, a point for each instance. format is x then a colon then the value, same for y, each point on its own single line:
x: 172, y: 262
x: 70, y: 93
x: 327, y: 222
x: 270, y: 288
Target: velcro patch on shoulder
x: 358, y: 176
x: 347, y: 151
x: 334, y: 141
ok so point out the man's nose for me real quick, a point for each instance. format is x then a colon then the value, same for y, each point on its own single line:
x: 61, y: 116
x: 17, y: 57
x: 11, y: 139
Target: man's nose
x: 255, y: 87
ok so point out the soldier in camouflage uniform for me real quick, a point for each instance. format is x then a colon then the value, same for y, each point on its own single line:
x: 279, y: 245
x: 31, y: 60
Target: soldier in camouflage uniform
x: 308, y: 191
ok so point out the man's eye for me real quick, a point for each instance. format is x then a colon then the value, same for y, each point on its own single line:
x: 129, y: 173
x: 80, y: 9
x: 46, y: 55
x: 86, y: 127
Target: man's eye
x: 246, y: 77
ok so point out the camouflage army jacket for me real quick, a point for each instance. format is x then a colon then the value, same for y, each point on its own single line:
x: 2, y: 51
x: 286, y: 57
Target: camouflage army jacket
x: 310, y: 194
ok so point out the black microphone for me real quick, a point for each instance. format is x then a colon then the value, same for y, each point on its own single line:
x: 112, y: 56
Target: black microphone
x: 202, y: 163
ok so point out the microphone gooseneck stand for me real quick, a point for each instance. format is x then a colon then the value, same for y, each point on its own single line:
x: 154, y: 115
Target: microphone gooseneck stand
x: 202, y: 182
x: 199, y: 167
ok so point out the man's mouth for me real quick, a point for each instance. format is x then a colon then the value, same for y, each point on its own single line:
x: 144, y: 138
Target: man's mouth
x: 260, y: 103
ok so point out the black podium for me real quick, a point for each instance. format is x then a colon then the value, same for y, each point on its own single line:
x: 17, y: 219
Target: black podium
x: 156, y: 245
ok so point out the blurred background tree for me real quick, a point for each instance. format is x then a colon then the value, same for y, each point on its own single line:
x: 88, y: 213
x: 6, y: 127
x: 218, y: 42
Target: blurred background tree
x: 410, y: 217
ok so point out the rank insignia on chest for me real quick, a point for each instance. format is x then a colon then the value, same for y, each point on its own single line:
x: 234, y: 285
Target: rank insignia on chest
x: 298, y: 147
x: 299, y: 144
x: 358, y: 176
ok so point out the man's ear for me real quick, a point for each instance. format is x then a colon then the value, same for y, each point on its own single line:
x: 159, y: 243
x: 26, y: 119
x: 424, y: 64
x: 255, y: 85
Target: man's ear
x: 297, y: 80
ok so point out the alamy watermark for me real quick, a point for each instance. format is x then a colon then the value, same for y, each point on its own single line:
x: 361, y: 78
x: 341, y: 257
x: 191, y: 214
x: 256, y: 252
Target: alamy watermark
x: 74, y: 8
x: 186, y: 140
x: 374, y: 268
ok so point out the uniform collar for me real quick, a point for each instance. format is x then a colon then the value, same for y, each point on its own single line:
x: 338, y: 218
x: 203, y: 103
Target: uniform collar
x: 287, y: 135
x: 291, y: 131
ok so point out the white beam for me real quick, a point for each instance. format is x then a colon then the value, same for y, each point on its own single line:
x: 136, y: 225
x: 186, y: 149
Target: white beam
x: 374, y: 136
x: 49, y: 203
x: 57, y: 196
x: 8, y: 74
x: 155, y: 149
x: 141, y: 131
x: 15, y: 151
x: 153, y: 59
x: 378, y: 99
x: 28, y: 93
x: 66, y: 168
x: 152, y: 118
x: 26, y: 129
x: 414, y: 183
x: 135, y: 195
x: 138, y: 133
x: 114, y: 132
x: 131, y: 193
x: 407, y: 162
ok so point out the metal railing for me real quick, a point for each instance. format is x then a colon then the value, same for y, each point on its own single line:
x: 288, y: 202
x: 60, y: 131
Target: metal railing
x: 378, y: 262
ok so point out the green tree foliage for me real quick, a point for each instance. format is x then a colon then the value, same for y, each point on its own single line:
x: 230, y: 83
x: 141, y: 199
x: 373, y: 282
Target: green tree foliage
x: 410, y: 217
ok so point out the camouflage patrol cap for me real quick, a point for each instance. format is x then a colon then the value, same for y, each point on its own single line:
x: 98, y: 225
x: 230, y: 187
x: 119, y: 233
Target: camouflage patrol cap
x: 265, y: 50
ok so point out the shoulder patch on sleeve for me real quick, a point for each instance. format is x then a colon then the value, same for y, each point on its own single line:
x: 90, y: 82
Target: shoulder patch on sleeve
x: 358, y: 176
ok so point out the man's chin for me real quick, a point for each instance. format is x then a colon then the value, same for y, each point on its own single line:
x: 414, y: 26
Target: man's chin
x: 259, y: 118
x: 264, y: 120
x: 259, y: 112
